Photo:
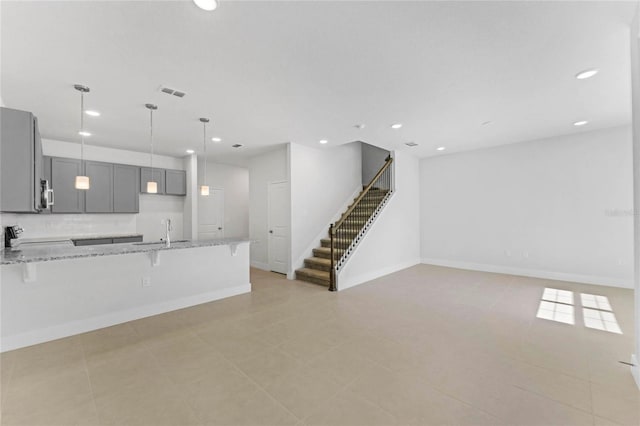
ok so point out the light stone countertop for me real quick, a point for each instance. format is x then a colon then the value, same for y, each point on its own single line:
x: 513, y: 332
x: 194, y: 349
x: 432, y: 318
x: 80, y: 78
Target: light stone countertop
x: 49, y: 252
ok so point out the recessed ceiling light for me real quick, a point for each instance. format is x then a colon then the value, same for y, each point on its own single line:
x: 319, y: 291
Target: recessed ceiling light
x: 441, y: 148
x: 360, y: 126
x: 190, y: 151
x: 396, y: 126
x: 324, y: 141
x: 587, y: 73
x: 207, y: 5
x: 85, y: 133
x: 411, y: 144
x: 92, y: 113
x: 487, y: 122
x: 580, y: 123
x: 237, y: 145
x: 216, y: 139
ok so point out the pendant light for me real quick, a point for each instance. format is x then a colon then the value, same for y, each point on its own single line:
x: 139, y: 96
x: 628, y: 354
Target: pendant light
x: 82, y: 182
x: 204, y: 188
x: 207, y: 5
x: 152, y: 185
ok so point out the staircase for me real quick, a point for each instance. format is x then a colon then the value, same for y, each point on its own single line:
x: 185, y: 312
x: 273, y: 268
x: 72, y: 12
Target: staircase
x: 347, y: 231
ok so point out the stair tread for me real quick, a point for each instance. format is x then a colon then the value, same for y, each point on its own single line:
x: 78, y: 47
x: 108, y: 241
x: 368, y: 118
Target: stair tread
x: 320, y: 260
x: 327, y: 249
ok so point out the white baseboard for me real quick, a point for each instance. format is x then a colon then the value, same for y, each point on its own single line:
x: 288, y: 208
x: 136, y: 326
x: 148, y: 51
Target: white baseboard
x: 635, y: 370
x: 260, y: 265
x: 34, y: 337
x: 535, y: 273
x: 372, y: 275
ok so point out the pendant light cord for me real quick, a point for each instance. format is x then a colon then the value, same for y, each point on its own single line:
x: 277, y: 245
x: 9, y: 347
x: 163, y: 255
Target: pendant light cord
x: 81, y: 128
x: 204, y: 143
x: 151, y: 139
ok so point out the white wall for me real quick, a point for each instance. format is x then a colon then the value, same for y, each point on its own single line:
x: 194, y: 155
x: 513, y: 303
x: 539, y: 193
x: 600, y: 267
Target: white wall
x: 393, y: 241
x: 323, y: 181
x: 190, y: 220
x: 154, y: 211
x: 269, y: 167
x: 55, y: 148
x: 635, y: 75
x: 147, y: 222
x: 373, y: 158
x: 555, y: 208
x: 235, y: 182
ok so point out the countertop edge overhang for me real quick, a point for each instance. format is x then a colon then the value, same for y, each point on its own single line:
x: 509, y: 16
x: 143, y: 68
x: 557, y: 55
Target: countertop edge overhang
x: 47, y: 254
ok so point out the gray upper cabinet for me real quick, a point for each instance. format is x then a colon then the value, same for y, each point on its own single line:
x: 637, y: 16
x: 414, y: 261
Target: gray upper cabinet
x: 63, y: 175
x: 20, y: 162
x: 176, y: 182
x: 126, y: 195
x: 99, y: 197
x: 158, y: 176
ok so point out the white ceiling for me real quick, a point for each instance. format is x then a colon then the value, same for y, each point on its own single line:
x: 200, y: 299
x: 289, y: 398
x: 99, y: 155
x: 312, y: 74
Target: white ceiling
x: 271, y: 72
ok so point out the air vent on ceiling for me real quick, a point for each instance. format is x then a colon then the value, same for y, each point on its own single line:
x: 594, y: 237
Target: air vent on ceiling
x: 170, y: 91
x: 237, y: 145
x: 412, y: 144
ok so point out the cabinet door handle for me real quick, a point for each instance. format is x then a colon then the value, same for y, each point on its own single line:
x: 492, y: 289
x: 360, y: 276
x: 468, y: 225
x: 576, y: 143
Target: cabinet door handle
x: 271, y: 231
x: 219, y: 229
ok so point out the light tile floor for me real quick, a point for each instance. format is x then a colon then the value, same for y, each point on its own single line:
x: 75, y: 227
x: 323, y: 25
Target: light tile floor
x: 424, y: 346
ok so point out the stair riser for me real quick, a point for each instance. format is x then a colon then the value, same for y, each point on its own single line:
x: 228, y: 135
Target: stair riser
x: 336, y: 245
x: 326, y: 255
x: 317, y: 266
x: 313, y: 280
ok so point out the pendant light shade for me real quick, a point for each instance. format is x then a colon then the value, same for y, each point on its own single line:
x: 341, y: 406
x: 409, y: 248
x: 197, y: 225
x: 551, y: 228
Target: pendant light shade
x: 82, y: 182
x: 152, y: 185
x: 207, y: 5
x: 204, y: 188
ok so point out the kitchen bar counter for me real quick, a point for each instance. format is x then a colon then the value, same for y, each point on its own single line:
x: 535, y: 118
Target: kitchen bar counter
x: 42, y: 299
x: 27, y: 253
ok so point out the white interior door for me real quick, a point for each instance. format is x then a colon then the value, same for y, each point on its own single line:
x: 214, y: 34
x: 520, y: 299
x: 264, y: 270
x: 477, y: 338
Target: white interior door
x: 278, y: 226
x: 211, y: 215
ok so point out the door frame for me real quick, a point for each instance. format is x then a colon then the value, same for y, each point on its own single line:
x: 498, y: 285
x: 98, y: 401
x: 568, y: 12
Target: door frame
x: 288, y: 220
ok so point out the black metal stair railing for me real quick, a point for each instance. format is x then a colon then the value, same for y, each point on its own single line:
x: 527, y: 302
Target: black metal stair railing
x: 346, y: 232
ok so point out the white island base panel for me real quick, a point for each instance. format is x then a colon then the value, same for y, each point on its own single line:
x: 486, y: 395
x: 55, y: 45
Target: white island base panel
x: 74, y: 296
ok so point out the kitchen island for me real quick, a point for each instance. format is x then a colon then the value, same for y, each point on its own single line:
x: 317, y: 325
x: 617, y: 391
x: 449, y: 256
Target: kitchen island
x: 54, y: 291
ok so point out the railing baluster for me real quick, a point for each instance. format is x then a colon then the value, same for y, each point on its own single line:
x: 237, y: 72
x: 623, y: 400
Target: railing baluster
x: 344, y: 232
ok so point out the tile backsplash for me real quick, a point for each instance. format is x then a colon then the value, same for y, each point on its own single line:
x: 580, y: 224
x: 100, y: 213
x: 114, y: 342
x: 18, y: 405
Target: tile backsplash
x: 154, y: 210
x: 66, y: 225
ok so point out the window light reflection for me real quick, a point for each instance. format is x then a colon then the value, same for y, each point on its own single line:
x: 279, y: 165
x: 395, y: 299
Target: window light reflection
x: 597, y: 313
x: 558, y: 312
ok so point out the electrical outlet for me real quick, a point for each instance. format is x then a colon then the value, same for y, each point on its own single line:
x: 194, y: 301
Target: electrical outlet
x: 146, y: 281
x: 525, y: 254
x: 507, y: 253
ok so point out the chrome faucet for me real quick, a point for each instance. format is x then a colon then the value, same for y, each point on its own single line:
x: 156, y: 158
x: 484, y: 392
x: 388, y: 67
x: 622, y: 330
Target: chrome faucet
x: 167, y: 235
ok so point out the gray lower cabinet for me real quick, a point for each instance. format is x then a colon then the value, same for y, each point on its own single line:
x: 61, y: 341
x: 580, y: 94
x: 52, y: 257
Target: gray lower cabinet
x: 63, y: 176
x: 146, y: 175
x: 120, y: 240
x: 99, y: 197
x: 126, y: 184
x: 93, y: 241
x: 175, y: 182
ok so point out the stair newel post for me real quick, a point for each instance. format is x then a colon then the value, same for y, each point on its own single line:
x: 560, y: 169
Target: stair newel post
x: 332, y: 270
